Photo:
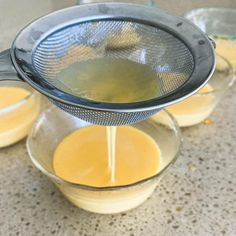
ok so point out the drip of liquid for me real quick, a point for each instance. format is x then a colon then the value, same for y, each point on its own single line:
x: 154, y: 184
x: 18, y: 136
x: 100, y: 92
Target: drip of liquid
x: 109, y: 80
x: 111, y: 144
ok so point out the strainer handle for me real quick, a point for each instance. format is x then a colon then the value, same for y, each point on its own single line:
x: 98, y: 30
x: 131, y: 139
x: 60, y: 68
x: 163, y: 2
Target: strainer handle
x: 7, y: 70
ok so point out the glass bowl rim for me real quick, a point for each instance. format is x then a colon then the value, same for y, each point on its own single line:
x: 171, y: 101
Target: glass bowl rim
x: 207, y: 9
x: 61, y: 181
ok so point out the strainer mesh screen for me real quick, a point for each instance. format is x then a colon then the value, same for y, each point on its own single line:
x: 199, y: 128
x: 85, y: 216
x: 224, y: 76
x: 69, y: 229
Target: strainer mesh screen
x: 168, y: 56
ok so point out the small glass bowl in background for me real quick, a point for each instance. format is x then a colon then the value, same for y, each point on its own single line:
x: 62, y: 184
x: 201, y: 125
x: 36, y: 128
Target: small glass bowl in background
x: 53, y: 125
x: 143, y: 2
x: 17, y: 119
x: 219, y: 24
x: 199, y: 106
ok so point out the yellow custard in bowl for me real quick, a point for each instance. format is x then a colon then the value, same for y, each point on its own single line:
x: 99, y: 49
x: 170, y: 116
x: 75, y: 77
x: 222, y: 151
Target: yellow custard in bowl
x: 82, y: 157
x: 195, y: 109
x: 19, y: 108
x: 226, y: 47
x: 75, y: 157
x: 198, y: 107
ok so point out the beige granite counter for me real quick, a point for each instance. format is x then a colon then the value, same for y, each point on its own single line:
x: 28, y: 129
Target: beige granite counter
x: 197, y: 196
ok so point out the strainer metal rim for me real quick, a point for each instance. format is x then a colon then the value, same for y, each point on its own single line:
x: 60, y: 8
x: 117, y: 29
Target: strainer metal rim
x: 187, y: 32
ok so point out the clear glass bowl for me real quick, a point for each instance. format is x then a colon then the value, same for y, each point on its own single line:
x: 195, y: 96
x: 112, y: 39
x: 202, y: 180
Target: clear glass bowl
x: 214, y: 21
x: 219, y: 24
x: 199, y: 106
x: 53, y: 125
x: 17, y: 119
x: 143, y: 2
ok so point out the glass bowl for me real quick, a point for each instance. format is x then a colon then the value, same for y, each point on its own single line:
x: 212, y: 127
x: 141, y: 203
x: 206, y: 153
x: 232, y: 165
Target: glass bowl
x: 199, y: 106
x: 53, y: 125
x: 17, y: 119
x: 220, y: 24
x: 142, y: 2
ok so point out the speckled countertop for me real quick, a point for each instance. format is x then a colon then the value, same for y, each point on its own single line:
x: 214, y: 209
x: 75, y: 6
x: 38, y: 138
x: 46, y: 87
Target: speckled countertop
x: 197, y: 196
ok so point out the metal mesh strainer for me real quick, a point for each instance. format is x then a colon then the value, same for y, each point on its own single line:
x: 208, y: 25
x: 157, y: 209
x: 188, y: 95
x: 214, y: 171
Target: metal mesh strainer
x: 180, y: 55
x: 116, y: 39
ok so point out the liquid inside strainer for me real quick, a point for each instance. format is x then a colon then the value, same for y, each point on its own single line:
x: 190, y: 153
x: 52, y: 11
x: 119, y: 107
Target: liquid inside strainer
x: 114, y: 61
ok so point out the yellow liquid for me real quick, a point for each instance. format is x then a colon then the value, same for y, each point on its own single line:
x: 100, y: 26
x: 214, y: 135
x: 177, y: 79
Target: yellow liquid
x: 227, y: 49
x: 17, y: 114
x: 11, y: 95
x: 82, y: 157
x: 195, y: 108
x: 109, y: 80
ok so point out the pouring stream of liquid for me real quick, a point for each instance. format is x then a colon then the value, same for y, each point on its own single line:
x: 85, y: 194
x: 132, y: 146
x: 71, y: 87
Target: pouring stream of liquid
x: 111, y: 144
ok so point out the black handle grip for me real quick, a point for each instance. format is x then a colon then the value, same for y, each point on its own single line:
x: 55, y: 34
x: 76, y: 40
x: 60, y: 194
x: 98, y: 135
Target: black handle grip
x: 7, y: 70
